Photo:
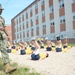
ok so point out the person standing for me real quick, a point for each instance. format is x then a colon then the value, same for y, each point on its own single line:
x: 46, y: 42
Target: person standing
x: 4, y: 44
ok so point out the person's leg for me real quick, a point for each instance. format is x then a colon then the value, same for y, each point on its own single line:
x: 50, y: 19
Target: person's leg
x: 33, y: 56
x: 37, y: 57
x: 5, y: 56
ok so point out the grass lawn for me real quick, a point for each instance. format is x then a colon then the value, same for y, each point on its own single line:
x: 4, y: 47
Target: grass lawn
x: 72, y: 45
x: 19, y: 71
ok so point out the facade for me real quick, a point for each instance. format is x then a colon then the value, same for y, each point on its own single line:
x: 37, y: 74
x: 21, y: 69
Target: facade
x: 45, y: 18
x: 9, y: 31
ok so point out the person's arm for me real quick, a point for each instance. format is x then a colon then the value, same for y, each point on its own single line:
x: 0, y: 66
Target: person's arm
x: 2, y: 29
x: 21, y: 45
x: 36, y: 45
x: 42, y: 58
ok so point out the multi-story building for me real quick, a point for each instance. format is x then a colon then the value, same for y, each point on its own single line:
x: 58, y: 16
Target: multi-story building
x: 45, y: 18
x: 9, y: 31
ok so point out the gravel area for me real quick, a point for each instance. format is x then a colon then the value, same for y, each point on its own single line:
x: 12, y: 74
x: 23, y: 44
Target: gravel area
x: 61, y: 63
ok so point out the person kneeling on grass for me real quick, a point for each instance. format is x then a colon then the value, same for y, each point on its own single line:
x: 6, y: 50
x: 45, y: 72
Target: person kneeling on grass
x: 59, y: 44
x: 35, y: 54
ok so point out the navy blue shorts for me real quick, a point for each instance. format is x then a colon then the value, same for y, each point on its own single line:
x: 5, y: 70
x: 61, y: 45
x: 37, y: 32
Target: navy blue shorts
x: 48, y: 48
x: 64, y: 46
x: 32, y: 48
x: 35, y: 57
x: 58, y: 49
x: 22, y: 52
x: 42, y: 47
x: 9, y: 50
x: 13, y: 47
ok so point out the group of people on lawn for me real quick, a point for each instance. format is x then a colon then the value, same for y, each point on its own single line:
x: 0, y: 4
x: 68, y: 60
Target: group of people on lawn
x: 34, y: 46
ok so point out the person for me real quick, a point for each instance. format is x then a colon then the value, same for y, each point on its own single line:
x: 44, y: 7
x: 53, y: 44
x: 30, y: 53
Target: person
x: 35, y: 54
x: 29, y: 43
x: 13, y: 45
x: 25, y: 45
x: 41, y: 44
x: 48, y: 42
x: 59, y: 44
x: 22, y: 51
x: 4, y: 44
x: 65, y: 43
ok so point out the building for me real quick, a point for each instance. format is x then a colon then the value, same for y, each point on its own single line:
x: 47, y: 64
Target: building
x: 45, y: 18
x: 9, y: 31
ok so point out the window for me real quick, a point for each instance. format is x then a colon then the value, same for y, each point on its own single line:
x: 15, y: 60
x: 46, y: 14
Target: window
x: 42, y: 1
x: 17, y: 35
x: 37, y: 28
x: 52, y: 22
x: 51, y: 9
x: 36, y: 5
x: 19, y: 19
x: 32, y: 30
x: 53, y: 37
x: 62, y: 36
x: 31, y: 21
x: 30, y: 9
x: 37, y: 17
x: 23, y: 34
x: 26, y: 15
x: 44, y: 26
x: 20, y: 27
x: 26, y: 22
x: 27, y: 31
x: 62, y: 19
x: 43, y: 13
x: 23, y: 26
x: 73, y: 15
x: 73, y: 1
x: 61, y: 3
x: 22, y: 17
x: 74, y: 34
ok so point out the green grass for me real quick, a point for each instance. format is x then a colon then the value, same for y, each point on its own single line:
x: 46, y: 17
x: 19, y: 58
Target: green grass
x: 72, y: 45
x: 19, y: 71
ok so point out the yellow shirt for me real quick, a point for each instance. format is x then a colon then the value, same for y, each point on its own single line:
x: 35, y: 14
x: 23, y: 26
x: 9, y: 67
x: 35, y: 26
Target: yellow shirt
x: 28, y: 51
x: 42, y: 55
x: 38, y: 39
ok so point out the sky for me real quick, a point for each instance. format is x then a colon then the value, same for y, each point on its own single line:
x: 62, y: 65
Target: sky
x: 12, y: 8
